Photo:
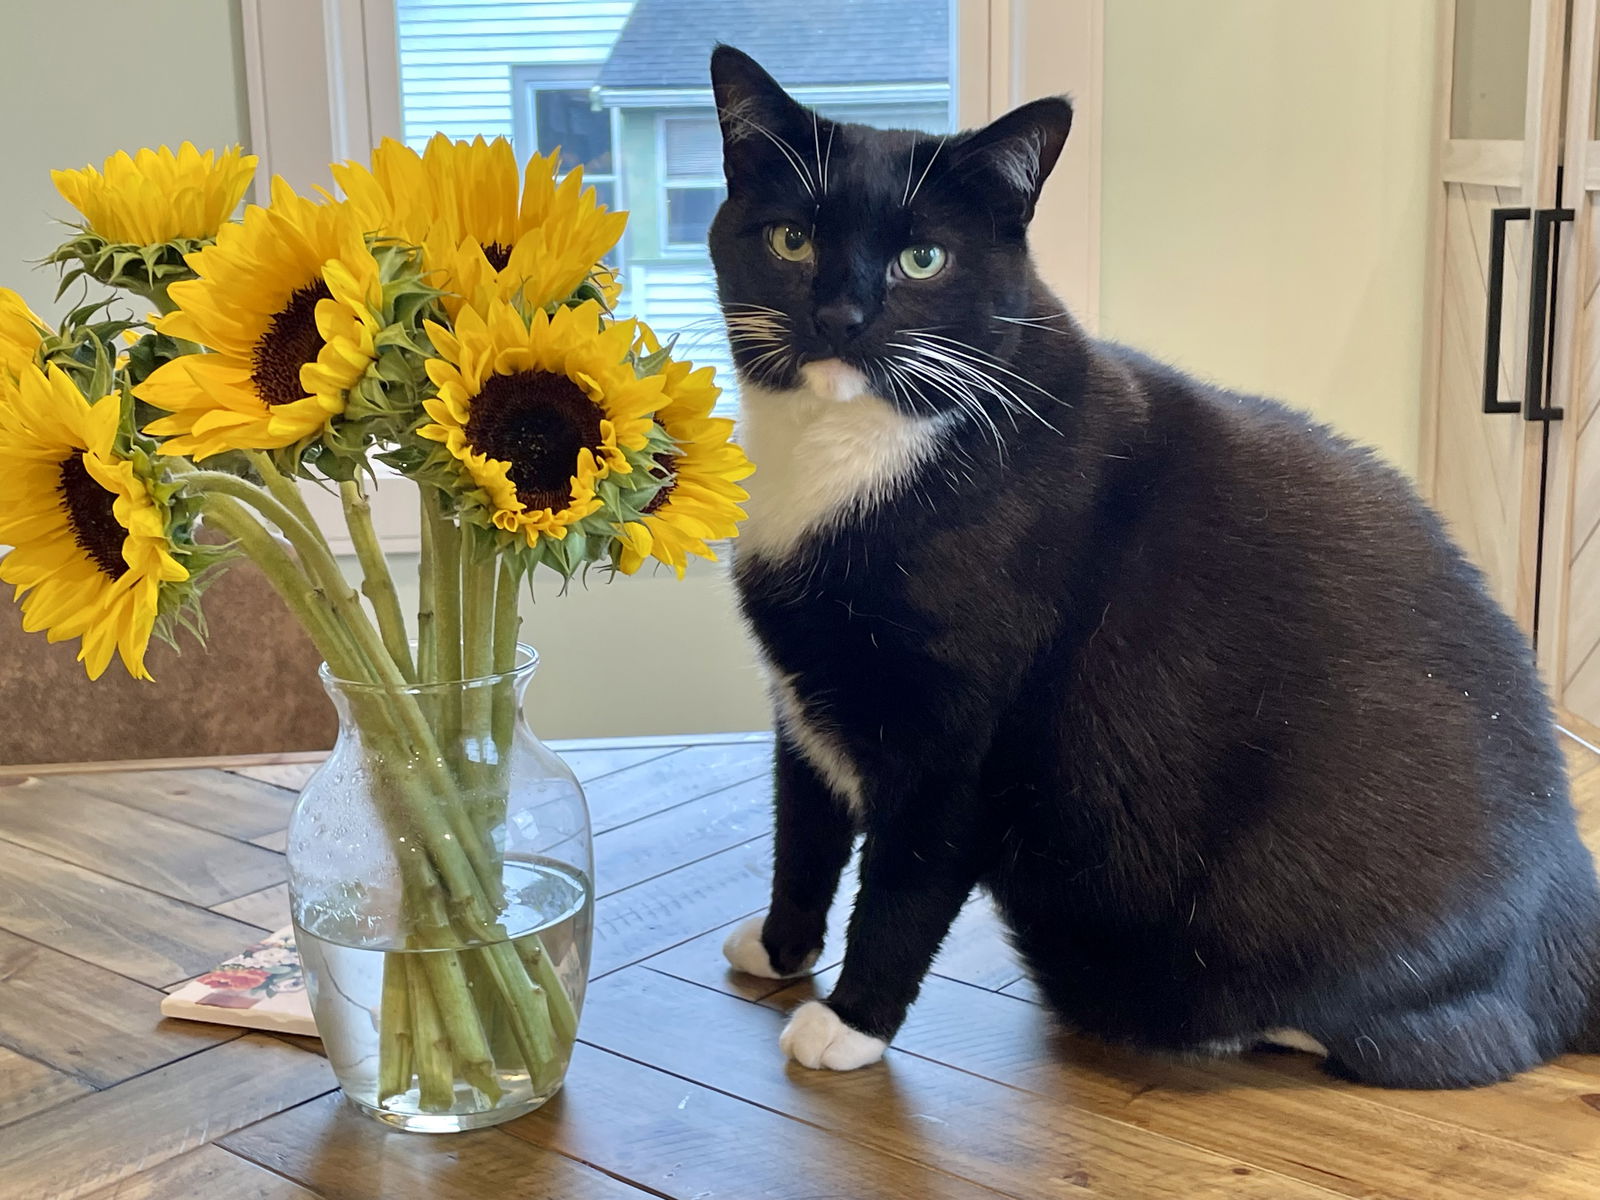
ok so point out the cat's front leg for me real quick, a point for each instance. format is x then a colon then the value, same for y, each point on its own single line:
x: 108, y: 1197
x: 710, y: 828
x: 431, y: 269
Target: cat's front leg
x: 814, y: 834
x: 918, y: 866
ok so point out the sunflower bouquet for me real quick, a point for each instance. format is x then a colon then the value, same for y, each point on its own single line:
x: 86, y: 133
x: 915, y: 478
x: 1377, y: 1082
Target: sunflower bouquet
x: 444, y: 317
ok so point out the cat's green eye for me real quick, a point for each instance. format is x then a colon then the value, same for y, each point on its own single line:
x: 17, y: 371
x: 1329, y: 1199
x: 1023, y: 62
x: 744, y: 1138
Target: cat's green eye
x: 922, y: 262
x: 790, y: 243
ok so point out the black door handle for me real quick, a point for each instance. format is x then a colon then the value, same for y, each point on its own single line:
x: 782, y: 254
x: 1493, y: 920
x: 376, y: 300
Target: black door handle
x: 1499, y: 219
x: 1546, y: 231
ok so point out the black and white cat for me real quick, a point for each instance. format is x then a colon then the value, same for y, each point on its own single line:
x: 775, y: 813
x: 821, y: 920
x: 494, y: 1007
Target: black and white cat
x: 1201, y: 693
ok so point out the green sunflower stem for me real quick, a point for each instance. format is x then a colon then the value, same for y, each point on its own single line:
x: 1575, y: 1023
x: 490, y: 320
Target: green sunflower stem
x: 447, y: 589
x: 395, y: 1061
x: 376, y: 582
x: 286, y: 491
x: 427, y: 597
x: 503, y: 715
x: 304, y: 598
x: 436, y: 1024
x: 477, y: 655
x: 432, y: 1050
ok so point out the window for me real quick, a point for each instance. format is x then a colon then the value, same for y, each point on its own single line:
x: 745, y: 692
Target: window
x: 621, y: 87
x: 554, y: 116
x: 691, y: 167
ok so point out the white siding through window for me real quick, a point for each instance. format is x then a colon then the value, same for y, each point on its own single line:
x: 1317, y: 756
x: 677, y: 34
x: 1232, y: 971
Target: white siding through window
x: 453, y: 57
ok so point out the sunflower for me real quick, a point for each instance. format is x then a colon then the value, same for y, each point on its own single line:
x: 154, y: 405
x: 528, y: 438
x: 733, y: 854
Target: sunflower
x: 700, y: 497
x: 90, y: 550
x: 21, y: 334
x: 537, y: 413
x: 482, y: 237
x: 158, y: 196
x: 287, y: 299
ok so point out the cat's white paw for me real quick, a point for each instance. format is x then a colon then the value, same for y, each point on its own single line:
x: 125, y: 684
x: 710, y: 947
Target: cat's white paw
x: 816, y: 1037
x: 1295, y: 1039
x: 744, y: 952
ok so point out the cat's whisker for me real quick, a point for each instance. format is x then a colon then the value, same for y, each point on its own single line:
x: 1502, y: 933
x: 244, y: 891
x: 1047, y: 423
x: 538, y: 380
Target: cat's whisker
x: 788, y: 151
x: 1036, y: 322
x: 764, y: 367
x: 979, y: 364
x: 913, y: 394
x: 757, y: 339
x: 951, y: 385
x: 923, y: 179
x: 972, y: 371
x: 967, y: 350
x: 816, y: 147
x: 911, y: 165
x: 745, y: 306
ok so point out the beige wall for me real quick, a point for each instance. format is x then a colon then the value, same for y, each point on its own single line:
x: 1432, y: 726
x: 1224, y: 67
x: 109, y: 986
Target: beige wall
x: 1265, y: 199
x: 635, y: 656
x: 80, y: 79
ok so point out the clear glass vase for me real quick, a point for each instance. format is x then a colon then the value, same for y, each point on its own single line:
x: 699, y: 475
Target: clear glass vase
x: 440, y: 869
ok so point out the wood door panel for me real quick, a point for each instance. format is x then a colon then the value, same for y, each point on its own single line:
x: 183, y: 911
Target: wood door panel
x: 1479, y: 480
x: 1580, y: 687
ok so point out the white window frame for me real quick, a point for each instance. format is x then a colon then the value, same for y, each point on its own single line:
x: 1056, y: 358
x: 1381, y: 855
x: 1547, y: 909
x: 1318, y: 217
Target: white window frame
x: 323, y: 82
x: 525, y: 87
x: 669, y: 248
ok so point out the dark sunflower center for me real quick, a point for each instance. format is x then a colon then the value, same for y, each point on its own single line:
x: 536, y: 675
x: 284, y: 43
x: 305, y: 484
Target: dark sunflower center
x: 538, y: 422
x: 94, y: 524
x: 666, y: 470
x: 291, y: 341
x: 498, y: 254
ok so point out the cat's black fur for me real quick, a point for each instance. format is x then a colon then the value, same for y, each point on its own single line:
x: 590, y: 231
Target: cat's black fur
x: 1201, y: 692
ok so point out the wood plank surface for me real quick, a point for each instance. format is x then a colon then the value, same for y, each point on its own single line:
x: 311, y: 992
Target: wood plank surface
x: 685, y: 1141
x: 664, y: 841
x: 86, y: 1021
x: 216, y: 800
x: 289, y: 776
x: 1274, y: 1111
x: 90, y: 1144
x: 208, y: 1173
x: 699, y: 960
x: 27, y: 1087
x: 976, y: 950
x: 672, y: 908
x: 590, y: 765
x: 920, y: 1110
x: 343, y: 1155
x: 136, y: 846
x: 267, y: 909
x: 586, y: 764
x: 125, y: 929
x: 1581, y: 758
x: 677, y: 778
x: 682, y: 1091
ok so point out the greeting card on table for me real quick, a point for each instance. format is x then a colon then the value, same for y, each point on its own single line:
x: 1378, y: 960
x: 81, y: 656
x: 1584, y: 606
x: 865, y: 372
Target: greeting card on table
x: 260, y: 988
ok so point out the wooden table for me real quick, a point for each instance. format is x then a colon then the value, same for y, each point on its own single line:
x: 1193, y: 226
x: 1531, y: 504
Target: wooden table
x: 115, y: 885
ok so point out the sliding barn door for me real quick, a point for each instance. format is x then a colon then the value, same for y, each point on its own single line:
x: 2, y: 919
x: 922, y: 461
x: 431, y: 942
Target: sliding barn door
x: 1570, y: 613
x: 1482, y: 457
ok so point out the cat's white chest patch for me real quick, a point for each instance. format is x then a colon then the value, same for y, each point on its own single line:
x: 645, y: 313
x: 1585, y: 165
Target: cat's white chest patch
x: 809, y: 732
x: 823, y: 452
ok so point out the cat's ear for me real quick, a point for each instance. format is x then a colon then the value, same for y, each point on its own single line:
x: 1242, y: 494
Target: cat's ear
x: 761, y: 123
x: 1016, y: 152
